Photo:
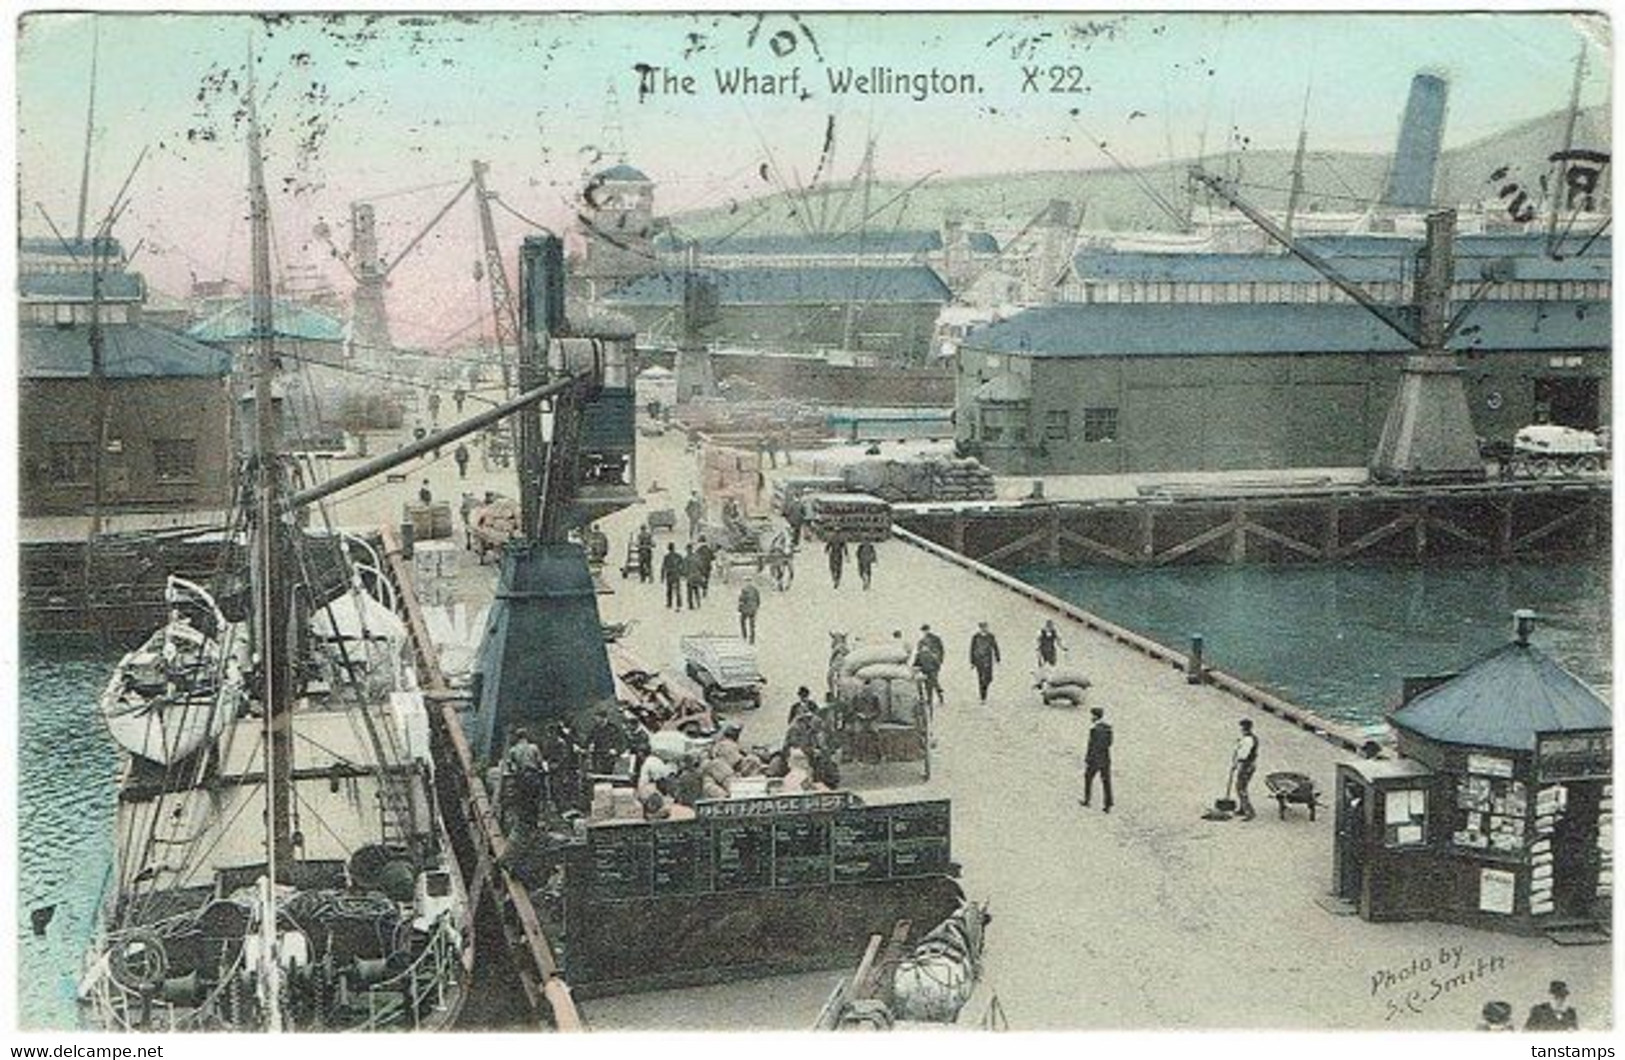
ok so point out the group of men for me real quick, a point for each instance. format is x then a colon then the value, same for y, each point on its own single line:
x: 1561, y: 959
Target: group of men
x: 836, y: 549
x: 686, y: 574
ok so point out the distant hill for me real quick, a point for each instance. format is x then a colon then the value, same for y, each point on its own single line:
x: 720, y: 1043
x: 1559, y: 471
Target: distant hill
x: 1334, y: 181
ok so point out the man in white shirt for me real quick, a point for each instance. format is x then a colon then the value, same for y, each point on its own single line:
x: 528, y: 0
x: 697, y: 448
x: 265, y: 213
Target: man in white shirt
x: 1245, y: 761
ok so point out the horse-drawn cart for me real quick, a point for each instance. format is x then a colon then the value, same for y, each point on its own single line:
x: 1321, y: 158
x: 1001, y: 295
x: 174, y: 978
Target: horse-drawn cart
x: 880, y: 717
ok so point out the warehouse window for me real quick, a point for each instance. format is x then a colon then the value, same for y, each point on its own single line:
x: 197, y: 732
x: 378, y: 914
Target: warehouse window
x: 71, y: 463
x: 1100, y: 425
x: 174, y: 459
x: 1057, y: 425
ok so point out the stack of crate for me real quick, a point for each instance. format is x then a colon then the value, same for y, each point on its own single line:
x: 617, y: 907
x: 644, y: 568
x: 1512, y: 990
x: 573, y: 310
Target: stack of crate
x: 727, y: 474
x: 435, y: 565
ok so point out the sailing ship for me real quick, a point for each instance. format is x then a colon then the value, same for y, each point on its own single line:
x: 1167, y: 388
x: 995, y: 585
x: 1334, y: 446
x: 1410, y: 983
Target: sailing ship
x: 293, y: 705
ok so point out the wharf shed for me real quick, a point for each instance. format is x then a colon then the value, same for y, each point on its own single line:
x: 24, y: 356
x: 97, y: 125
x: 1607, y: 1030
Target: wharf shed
x: 884, y: 310
x: 166, y: 444
x: 1123, y: 388
x: 1112, y: 277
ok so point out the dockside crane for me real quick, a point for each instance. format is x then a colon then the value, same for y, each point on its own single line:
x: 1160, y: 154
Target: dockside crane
x: 1428, y: 435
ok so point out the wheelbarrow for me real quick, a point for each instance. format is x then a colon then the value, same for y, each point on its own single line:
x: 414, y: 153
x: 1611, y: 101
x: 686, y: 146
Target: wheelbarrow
x: 1293, y: 788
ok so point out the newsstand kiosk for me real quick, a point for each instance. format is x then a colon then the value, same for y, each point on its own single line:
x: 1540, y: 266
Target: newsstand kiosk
x: 1498, y: 812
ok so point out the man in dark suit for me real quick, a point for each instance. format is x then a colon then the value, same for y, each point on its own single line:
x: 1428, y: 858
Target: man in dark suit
x: 671, y: 573
x: 1097, y: 760
x: 984, y: 652
x: 1554, y: 1015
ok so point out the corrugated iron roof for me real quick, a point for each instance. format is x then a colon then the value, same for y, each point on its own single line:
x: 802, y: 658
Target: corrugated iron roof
x: 1503, y: 700
x: 811, y: 285
x: 77, y: 287
x: 233, y: 322
x: 130, y: 351
x: 1284, y: 268
x: 791, y: 244
x: 1470, y: 245
x: 1183, y: 329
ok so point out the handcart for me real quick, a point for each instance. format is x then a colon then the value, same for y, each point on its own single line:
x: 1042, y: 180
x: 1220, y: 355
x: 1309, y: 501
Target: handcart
x: 725, y: 668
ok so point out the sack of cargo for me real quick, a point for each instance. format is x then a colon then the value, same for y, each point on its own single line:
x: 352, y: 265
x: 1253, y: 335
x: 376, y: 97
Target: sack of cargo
x: 876, y: 653
x: 1066, y: 690
x: 1067, y: 675
x: 1071, y: 698
x: 885, y: 671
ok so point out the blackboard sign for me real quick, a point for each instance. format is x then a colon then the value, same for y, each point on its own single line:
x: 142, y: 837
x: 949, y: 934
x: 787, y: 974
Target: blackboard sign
x: 860, y: 845
x: 825, y: 841
x: 622, y: 858
x: 744, y: 854
x: 800, y: 850
x: 682, y: 858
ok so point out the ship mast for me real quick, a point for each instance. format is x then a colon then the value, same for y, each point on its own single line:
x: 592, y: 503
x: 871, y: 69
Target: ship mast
x: 272, y: 613
x: 1555, y: 199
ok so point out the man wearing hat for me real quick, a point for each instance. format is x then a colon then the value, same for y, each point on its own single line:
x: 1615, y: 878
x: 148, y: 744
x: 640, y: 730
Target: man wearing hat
x: 928, y: 657
x: 1497, y: 1017
x: 1553, y: 1015
x: 1245, y: 762
x: 1097, y: 761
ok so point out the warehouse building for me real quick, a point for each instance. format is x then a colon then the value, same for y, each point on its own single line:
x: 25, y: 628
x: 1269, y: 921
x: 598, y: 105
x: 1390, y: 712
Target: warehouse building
x: 1383, y: 266
x: 884, y: 311
x: 1112, y: 388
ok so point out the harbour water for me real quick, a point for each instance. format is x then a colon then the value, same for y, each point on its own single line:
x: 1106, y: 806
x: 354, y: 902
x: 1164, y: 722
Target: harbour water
x: 66, y: 787
x: 1336, y: 639
x: 1341, y: 639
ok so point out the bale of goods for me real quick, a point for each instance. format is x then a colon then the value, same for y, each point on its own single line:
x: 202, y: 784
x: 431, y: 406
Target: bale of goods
x: 1067, y: 675
x: 960, y: 480
x: 1069, y: 695
x: 849, y: 517
x: 858, y: 658
x: 885, y: 671
x: 925, y: 479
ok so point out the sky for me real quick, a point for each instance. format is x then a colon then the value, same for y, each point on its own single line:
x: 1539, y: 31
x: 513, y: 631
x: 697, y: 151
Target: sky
x: 371, y: 107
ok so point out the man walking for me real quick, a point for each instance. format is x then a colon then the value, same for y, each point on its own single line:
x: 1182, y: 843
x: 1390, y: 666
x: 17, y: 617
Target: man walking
x: 691, y: 575
x: 928, y: 659
x: 984, y: 652
x: 1097, y: 760
x: 646, y: 554
x: 837, y: 560
x: 704, y: 555
x: 1245, y: 763
x: 1049, y: 640
x: 866, y: 563
x: 460, y: 454
x: 795, y: 515
x: 695, y: 510
x: 425, y: 495
x: 750, y: 601
x: 671, y: 572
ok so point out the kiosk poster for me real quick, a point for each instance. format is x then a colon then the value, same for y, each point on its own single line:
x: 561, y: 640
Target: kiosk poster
x: 1046, y: 393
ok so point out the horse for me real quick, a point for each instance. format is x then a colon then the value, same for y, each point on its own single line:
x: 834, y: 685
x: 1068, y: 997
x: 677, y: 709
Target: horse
x: 935, y: 980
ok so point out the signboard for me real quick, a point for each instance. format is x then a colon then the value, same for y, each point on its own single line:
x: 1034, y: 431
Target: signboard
x: 1587, y: 755
x: 813, y: 840
x: 773, y: 805
x: 1489, y: 766
x: 1496, y: 888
